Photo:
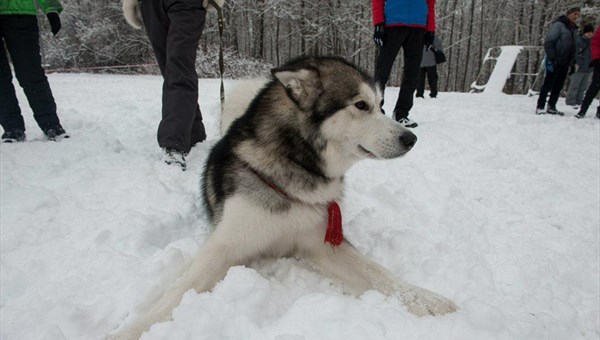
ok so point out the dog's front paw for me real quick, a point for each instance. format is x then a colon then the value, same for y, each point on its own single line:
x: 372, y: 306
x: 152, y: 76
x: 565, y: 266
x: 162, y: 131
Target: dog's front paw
x: 422, y: 302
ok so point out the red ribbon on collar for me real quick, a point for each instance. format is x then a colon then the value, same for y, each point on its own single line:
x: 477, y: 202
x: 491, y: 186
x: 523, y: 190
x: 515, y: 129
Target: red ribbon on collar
x: 334, y: 234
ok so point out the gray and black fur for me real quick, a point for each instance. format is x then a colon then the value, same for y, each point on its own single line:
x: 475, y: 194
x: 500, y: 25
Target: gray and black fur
x: 291, y: 135
x: 269, y: 181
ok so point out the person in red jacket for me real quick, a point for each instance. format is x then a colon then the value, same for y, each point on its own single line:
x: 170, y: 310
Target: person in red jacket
x: 406, y: 24
x: 594, y: 87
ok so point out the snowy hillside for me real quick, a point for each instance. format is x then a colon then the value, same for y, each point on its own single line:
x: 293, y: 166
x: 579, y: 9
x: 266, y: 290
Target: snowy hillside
x: 495, y: 208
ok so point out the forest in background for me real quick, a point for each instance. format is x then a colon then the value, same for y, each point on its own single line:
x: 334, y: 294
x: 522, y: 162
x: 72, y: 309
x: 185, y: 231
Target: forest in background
x: 261, y: 34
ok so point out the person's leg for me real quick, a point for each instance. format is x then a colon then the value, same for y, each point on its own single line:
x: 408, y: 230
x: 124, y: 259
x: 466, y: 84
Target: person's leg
x: 561, y: 73
x: 413, y: 52
x: 585, y: 83
x: 546, y: 87
x: 156, y: 24
x: 421, y: 82
x: 10, y: 113
x: 574, y: 86
x: 198, y: 131
x: 432, y: 78
x: 591, y: 92
x: 387, y: 55
x: 180, y: 92
x: 21, y: 34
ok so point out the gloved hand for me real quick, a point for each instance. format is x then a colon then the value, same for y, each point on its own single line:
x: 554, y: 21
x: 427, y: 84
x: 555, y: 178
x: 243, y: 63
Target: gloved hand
x: 54, y: 21
x: 549, y: 65
x: 379, y: 35
x: 429, y: 36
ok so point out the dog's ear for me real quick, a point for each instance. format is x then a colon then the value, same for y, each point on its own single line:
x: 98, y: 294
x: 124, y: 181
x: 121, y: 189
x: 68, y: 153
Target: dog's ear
x: 303, y: 85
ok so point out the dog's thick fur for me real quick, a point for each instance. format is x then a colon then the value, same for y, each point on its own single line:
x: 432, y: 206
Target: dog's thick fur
x: 268, y: 182
x: 133, y: 13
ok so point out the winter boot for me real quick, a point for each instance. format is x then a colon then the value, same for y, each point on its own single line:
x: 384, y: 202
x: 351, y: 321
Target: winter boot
x: 175, y: 157
x: 55, y: 132
x: 539, y: 111
x: 551, y: 110
x: 581, y: 112
x: 407, y: 122
x: 14, y: 135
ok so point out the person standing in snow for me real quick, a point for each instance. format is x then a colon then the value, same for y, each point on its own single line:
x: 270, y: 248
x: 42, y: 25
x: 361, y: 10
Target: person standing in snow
x: 406, y: 24
x: 19, y: 35
x: 174, y: 28
x: 429, y: 69
x: 594, y: 87
x: 581, y: 78
x: 559, y: 46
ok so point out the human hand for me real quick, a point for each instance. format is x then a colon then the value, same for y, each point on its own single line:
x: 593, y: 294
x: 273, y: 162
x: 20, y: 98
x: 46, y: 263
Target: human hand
x: 54, y: 20
x: 379, y: 35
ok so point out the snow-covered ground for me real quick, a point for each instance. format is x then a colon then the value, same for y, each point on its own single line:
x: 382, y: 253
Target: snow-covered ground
x: 495, y: 208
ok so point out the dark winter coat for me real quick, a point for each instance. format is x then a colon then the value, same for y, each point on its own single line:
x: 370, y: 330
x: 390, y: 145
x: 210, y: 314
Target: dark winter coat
x: 560, y: 41
x: 411, y: 13
x: 583, y: 58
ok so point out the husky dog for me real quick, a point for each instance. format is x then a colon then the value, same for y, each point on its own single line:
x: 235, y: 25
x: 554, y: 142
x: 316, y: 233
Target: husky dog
x: 271, y: 183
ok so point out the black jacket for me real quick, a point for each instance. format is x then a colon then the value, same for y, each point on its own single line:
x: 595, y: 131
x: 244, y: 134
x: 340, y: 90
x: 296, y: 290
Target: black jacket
x: 560, y: 42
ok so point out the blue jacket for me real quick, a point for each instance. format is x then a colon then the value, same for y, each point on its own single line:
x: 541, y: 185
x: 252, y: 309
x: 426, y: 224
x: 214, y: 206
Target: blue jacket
x: 411, y: 13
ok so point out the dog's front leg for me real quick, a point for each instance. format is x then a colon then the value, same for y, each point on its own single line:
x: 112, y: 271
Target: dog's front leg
x: 359, y: 274
x: 209, y: 266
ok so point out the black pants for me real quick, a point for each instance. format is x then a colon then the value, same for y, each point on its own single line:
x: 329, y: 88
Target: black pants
x: 410, y: 39
x: 553, y: 83
x: 592, y: 91
x: 20, y: 34
x: 174, y: 28
x: 432, y: 77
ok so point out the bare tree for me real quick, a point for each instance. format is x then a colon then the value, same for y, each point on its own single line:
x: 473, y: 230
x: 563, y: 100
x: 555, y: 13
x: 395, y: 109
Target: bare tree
x: 265, y: 33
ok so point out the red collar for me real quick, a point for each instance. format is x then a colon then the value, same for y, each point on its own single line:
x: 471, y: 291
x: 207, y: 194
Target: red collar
x: 334, y: 234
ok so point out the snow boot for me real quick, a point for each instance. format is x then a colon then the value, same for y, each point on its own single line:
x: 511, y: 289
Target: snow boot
x: 407, y: 122
x: 553, y: 111
x: 13, y: 136
x: 175, y: 157
x: 55, y: 132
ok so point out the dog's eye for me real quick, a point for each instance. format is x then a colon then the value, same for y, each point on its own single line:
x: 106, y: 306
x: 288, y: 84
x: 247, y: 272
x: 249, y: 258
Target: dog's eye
x: 361, y: 105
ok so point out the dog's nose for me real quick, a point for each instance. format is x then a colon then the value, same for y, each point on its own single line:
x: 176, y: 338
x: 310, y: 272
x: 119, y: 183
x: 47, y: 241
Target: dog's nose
x: 409, y: 139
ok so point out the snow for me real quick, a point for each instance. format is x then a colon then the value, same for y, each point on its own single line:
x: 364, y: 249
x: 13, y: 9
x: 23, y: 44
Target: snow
x: 502, y: 68
x: 495, y: 208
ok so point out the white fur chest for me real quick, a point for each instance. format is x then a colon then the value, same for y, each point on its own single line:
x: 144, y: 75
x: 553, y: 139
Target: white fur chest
x: 261, y: 232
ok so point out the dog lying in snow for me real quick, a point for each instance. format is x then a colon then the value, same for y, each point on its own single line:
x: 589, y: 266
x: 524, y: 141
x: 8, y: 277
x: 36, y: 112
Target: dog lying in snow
x: 272, y: 183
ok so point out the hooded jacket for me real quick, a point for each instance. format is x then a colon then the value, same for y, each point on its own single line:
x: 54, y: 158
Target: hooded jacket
x: 29, y: 7
x: 411, y: 13
x: 560, y: 41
